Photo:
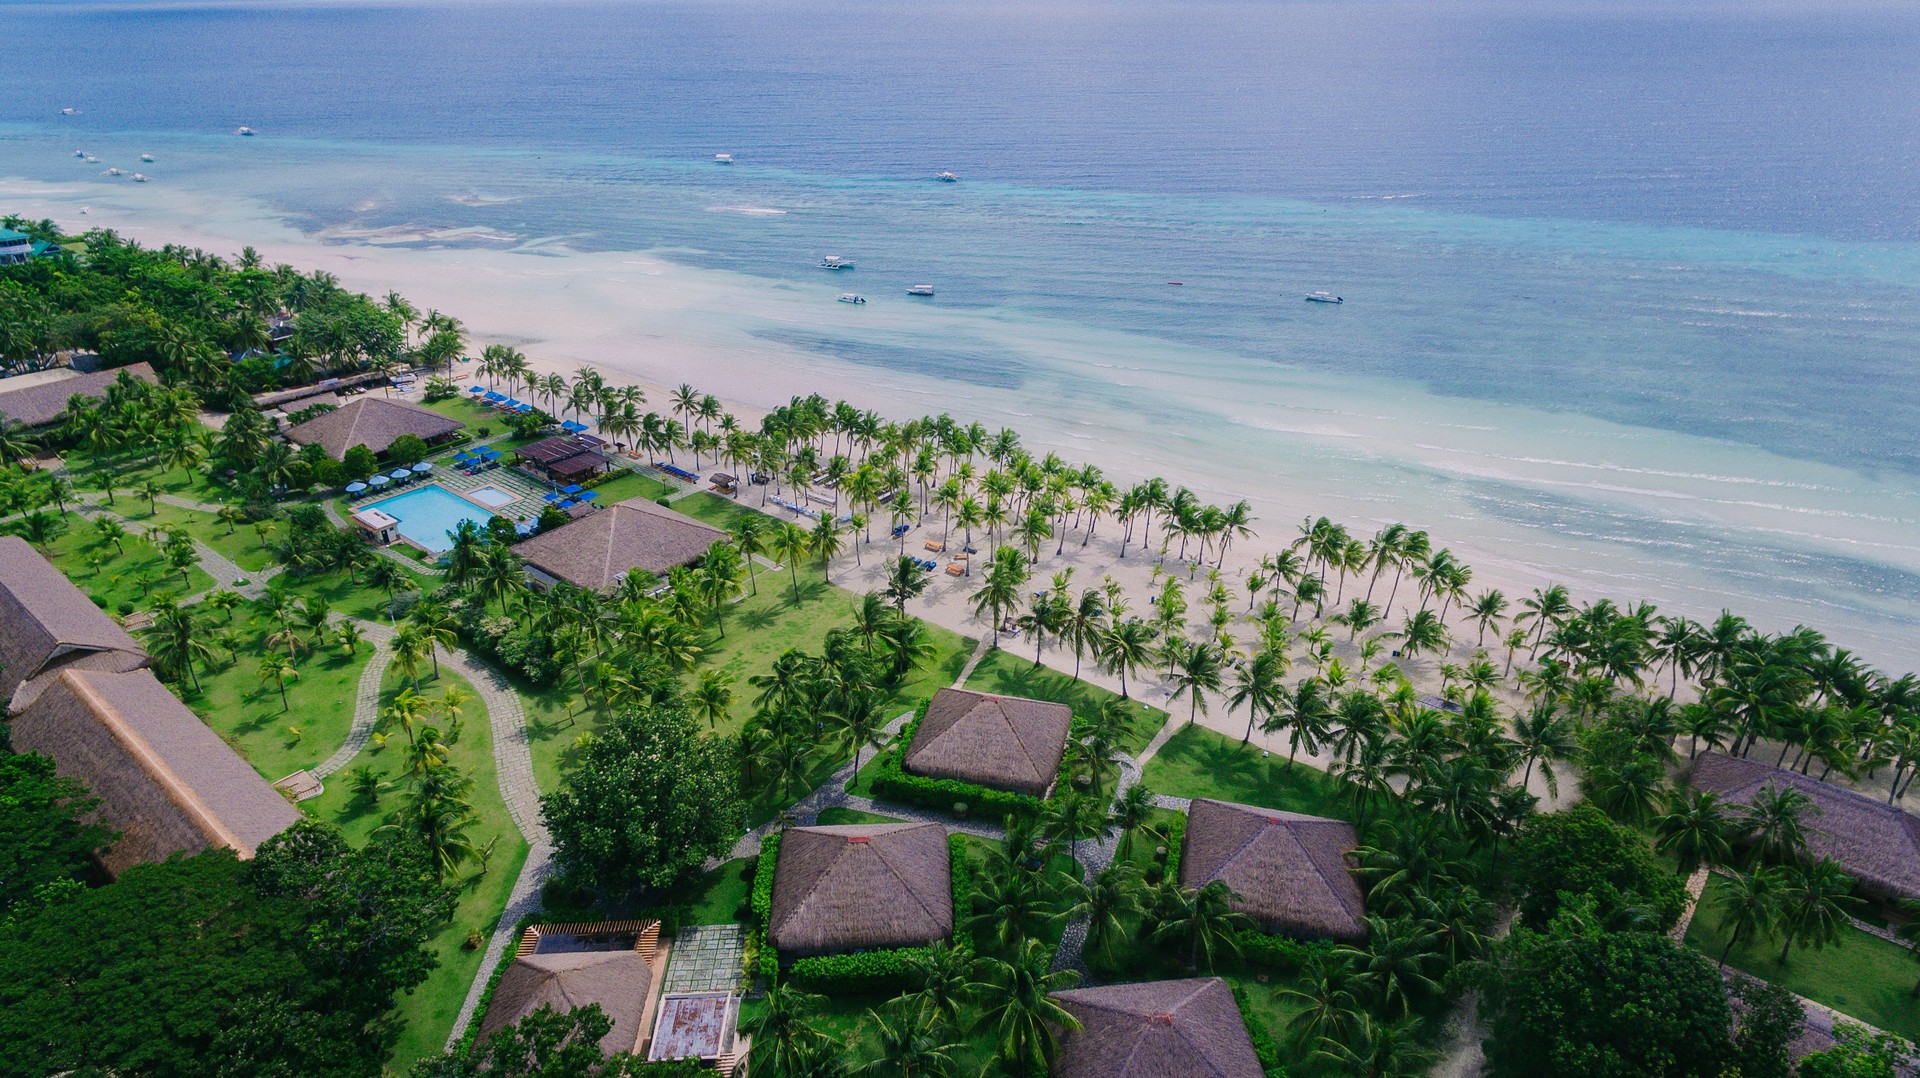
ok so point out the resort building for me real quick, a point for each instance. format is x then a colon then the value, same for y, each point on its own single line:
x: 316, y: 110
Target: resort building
x: 1156, y: 1029
x: 40, y: 399
x: 857, y: 886
x: 597, y: 551
x: 373, y: 422
x: 1006, y: 742
x: 1876, y: 843
x: 47, y: 625
x: 569, y: 458
x: 165, y: 781
x: 16, y: 247
x: 619, y: 980
x: 1289, y: 870
x: 376, y: 526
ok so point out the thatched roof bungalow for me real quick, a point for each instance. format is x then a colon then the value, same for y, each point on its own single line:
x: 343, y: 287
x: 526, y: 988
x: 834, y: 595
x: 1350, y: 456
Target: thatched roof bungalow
x: 598, y: 550
x: 854, y: 886
x: 1156, y: 1029
x: 1877, y: 843
x: 165, y: 781
x: 1006, y: 742
x: 1289, y: 870
x: 618, y: 980
x: 40, y: 400
x: 47, y: 625
x: 373, y: 422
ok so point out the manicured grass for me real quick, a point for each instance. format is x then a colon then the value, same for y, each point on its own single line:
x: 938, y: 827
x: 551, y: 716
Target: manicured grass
x: 1859, y: 975
x: 622, y: 485
x: 248, y: 713
x: 1197, y: 762
x: 243, y: 547
x: 108, y: 573
x: 720, y: 512
x: 836, y: 815
x: 483, y: 889
x: 714, y: 898
x: 1006, y: 673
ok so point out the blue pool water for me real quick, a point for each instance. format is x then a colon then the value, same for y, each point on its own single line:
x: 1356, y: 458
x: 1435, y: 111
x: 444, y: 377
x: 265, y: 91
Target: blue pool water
x: 429, y: 515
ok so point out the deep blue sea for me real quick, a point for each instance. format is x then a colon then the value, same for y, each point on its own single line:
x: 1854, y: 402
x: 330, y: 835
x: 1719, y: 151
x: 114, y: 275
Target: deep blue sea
x: 1632, y: 289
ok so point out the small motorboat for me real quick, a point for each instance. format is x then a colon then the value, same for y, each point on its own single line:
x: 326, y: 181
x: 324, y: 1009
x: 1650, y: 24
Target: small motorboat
x: 113, y: 172
x: 92, y: 160
x: 723, y: 159
x: 139, y: 178
x: 1323, y: 297
x: 247, y: 131
x: 835, y: 262
x: 69, y: 112
x: 147, y: 157
x: 80, y: 154
x: 947, y: 177
x: 919, y: 290
x: 852, y: 297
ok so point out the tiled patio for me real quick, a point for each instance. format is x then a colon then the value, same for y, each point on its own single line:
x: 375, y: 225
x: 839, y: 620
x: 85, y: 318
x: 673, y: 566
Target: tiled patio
x: 707, y: 958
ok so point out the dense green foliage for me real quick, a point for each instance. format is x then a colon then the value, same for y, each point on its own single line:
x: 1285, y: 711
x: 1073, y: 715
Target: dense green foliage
x: 653, y: 798
x: 1581, y: 852
x: 890, y: 971
x: 760, y: 904
x: 210, y: 966
x: 45, y: 846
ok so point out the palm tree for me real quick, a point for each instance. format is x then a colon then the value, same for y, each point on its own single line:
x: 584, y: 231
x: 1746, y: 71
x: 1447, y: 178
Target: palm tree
x: 1126, y: 648
x: 437, y: 625
x: 366, y: 783
x: 176, y: 641
x: 277, y: 669
x: 945, y: 976
x: 904, y: 581
x: 1694, y: 829
x: 1010, y: 906
x: 1000, y: 591
x: 1396, y: 962
x: 713, y: 697
x: 1423, y: 631
x: 1109, y: 902
x: 1195, y: 670
x: 1327, y: 988
x: 1377, y: 1049
x: 1131, y: 812
x: 1545, y: 736
x: 1748, y: 906
x: 409, y: 646
x: 825, y: 543
x: 908, y: 1046
x: 1817, y: 903
x: 1773, y: 820
x: 1306, y: 713
x: 1257, y: 687
x: 749, y: 535
x: 1022, y: 1011
x: 1202, y: 919
x: 791, y: 544
x: 861, y: 721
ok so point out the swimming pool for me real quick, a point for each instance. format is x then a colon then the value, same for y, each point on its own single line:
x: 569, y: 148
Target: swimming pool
x: 429, y: 515
x: 491, y: 497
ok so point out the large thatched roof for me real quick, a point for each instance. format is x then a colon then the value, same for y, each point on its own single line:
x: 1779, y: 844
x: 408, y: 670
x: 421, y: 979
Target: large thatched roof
x: 47, y: 625
x: 616, y: 980
x: 165, y: 781
x: 1007, y: 742
x: 1289, y: 870
x: 39, y: 401
x: 861, y: 885
x: 599, y: 549
x: 1157, y: 1029
x: 1878, y: 844
x: 373, y: 422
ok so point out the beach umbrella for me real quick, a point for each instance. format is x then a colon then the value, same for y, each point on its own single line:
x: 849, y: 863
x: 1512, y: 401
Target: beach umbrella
x: 589, y: 495
x: 399, y: 473
x: 568, y: 504
x: 379, y: 481
x: 572, y: 488
x: 422, y: 468
x: 356, y: 487
x: 476, y: 389
x: 553, y: 497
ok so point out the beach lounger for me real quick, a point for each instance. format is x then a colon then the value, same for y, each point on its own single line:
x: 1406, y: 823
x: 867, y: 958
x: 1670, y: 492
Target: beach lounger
x: 956, y: 569
x: 936, y: 546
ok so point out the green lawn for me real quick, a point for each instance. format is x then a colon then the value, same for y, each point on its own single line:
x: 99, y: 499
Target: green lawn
x: 718, y: 511
x: 277, y: 739
x: 622, y: 485
x: 430, y: 1010
x: 1006, y: 673
x: 1863, y: 975
x: 830, y: 817
x: 109, y: 574
x: 243, y: 547
x: 714, y: 898
x: 1197, y: 762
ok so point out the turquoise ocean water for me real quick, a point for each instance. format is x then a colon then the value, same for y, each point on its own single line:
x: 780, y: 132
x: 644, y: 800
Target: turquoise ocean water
x: 1633, y: 290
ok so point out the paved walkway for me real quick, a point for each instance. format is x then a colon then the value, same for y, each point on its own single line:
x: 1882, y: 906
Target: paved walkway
x: 366, y: 701
x: 707, y: 958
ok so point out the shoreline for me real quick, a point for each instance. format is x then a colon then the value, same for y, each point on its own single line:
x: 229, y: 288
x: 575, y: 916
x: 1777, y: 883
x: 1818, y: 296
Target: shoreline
x: 642, y: 320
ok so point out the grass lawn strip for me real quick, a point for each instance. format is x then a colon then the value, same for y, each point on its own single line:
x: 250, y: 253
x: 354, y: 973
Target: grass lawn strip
x: 1198, y: 762
x: 1003, y: 673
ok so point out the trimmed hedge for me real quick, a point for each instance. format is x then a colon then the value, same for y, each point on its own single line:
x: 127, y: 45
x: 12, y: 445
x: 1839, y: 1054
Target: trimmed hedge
x: 961, y: 869
x: 762, y: 955
x: 892, y: 782
x: 1176, y: 841
x: 886, y: 972
x: 1265, y: 1048
x: 1278, y: 952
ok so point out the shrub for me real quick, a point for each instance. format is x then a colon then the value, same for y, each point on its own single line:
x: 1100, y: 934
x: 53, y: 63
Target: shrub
x: 125, y: 608
x: 887, y: 972
x: 1278, y: 952
x: 1265, y: 1048
x: 765, y: 960
x: 664, y: 501
x: 962, y: 872
x: 1176, y: 841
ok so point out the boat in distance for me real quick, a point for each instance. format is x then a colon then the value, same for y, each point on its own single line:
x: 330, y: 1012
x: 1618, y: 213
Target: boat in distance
x: 1323, y: 297
x: 852, y: 297
x: 919, y: 290
x: 947, y: 177
x: 835, y: 262
x: 723, y: 159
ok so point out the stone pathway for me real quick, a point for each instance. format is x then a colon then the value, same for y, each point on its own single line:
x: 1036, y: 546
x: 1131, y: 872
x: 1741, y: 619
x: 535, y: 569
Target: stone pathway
x: 1696, y: 886
x: 513, y: 761
x: 366, y: 702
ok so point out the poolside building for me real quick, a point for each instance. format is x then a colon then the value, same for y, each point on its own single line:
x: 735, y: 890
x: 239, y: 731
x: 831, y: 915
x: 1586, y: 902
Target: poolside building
x: 1875, y: 842
x: 374, y: 422
x: 166, y: 782
x: 375, y: 525
x: 40, y: 399
x: 1156, y: 1029
x: 619, y: 980
x: 855, y: 886
x: 566, y: 458
x: 597, y: 551
x: 47, y: 625
x: 1289, y: 870
x: 1006, y: 742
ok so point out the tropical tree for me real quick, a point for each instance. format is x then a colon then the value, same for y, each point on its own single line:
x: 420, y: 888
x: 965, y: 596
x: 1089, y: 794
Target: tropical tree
x: 1194, y: 669
x: 1021, y: 1010
x: 1748, y: 905
x: 908, y: 1046
x: 1200, y: 920
x: 277, y: 668
x: 790, y: 543
x: 1109, y: 902
x: 1695, y: 829
x: 1816, y: 905
x: 712, y: 697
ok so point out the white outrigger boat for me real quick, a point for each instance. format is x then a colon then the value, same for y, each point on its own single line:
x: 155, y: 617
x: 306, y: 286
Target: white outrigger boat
x: 835, y: 262
x: 723, y: 159
x: 1323, y: 297
x: 919, y: 290
x: 852, y: 297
